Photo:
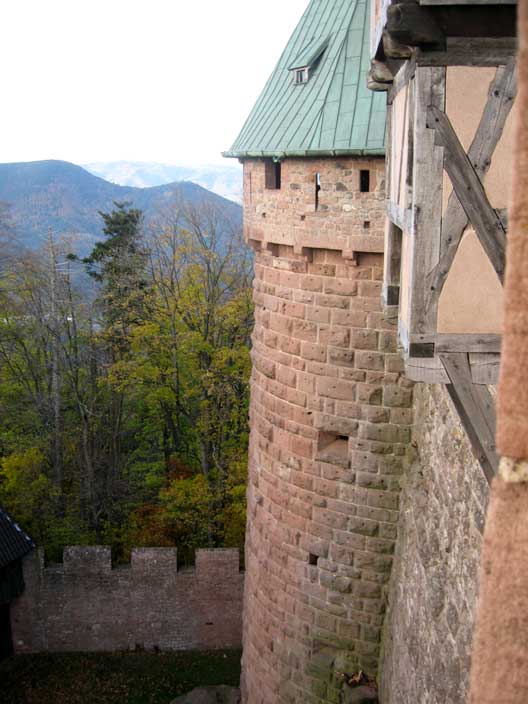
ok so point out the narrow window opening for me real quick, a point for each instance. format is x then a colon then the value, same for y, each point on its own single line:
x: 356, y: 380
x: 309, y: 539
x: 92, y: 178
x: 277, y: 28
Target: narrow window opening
x: 273, y: 174
x: 366, y: 224
x: 312, y: 559
x: 317, y: 189
x: 364, y: 180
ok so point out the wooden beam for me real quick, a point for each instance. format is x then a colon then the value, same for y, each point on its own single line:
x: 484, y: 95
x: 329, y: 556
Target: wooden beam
x: 392, y: 264
x: 469, y: 190
x: 427, y: 170
x: 489, y: 131
x: 402, y: 217
x: 395, y: 50
x: 376, y: 86
x: 484, y: 369
x: 408, y: 23
x: 380, y: 72
x: 476, y: 409
x: 401, y: 79
x: 467, y: 2
x: 469, y: 51
x: 463, y: 342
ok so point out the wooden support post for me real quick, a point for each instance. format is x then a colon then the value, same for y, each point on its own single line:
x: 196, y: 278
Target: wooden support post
x: 476, y: 409
x: 427, y: 170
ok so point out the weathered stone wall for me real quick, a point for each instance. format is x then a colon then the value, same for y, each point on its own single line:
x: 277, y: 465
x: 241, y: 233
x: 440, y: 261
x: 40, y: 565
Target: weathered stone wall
x: 345, y: 219
x: 85, y: 605
x: 330, y: 423
x: 433, y: 589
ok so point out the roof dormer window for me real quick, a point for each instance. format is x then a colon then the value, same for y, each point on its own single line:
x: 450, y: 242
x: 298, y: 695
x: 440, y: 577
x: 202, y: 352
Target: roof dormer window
x: 300, y: 75
x: 305, y: 63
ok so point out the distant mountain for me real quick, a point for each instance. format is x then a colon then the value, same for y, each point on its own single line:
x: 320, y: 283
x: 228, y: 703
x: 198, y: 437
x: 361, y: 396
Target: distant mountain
x: 225, y: 180
x: 67, y: 198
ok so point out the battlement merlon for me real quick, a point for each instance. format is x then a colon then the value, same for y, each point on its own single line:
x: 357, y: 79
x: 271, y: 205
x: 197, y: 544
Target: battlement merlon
x: 88, y: 560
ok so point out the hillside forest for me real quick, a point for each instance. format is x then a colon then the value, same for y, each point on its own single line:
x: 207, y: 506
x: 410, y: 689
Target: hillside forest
x: 124, y: 383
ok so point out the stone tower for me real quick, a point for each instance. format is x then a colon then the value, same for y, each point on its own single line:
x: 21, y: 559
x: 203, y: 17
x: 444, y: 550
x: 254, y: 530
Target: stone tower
x: 330, y: 409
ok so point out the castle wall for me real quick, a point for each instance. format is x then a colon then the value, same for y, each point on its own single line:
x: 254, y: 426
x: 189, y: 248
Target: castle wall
x: 330, y: 417
x: 434, y: 582
x: 86, y: 605
x: 343, y: 218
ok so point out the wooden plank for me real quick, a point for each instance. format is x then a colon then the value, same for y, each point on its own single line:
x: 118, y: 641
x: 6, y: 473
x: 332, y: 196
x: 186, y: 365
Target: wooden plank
x: 476, y: 409
x: 392, y: 264
x: 427, y: 170
x: 401, y: 79
x: 388, y: 152
x: 469, y: 51
x: 429, y: 371
x: 467, y: 2
x: 466, y: 342
x: 470, y: 191
x: 410, y: 147
x: 501, y: 96
x: 402, y: 217
x: 484, y: 368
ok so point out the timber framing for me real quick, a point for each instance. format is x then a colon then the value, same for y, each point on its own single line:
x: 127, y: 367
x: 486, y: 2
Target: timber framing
x: 476, y: 409
x: 446, y: 217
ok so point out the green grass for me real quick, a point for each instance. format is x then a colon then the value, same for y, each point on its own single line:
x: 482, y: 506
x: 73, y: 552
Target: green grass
x: 113, y: 678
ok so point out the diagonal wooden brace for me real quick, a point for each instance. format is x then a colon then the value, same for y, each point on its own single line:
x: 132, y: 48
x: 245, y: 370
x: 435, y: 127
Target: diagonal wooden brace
x: 469, y: 190
x: 476, y: 409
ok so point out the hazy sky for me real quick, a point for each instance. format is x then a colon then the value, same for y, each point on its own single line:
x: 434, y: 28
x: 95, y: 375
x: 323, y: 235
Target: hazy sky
x: 149, y: 80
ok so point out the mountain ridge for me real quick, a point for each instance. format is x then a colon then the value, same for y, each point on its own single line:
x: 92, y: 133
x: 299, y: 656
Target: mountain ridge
x: 224, y: 180
x: 68, y: 198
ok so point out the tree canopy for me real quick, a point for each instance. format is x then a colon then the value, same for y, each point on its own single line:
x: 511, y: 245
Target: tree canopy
x: 124, y: 384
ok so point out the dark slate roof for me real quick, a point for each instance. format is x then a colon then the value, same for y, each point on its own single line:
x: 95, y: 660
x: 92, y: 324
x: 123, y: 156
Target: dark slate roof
x: 14, y: 542
x: 333, y: 113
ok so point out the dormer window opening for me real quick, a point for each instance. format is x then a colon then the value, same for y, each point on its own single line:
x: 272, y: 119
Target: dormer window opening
x: 301, y: 75
x: 272, y: 174
x: 305, y: 64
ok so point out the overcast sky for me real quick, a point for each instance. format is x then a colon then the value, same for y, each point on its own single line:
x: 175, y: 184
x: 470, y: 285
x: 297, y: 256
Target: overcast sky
x: 147, y: 80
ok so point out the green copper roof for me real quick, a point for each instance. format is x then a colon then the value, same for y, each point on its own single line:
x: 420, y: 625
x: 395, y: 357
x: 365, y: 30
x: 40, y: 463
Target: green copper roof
x: 334, y: 113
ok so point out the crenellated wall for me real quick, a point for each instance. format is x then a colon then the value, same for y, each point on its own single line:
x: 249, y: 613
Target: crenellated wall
x: 330, y: 419
x: 86, y: 605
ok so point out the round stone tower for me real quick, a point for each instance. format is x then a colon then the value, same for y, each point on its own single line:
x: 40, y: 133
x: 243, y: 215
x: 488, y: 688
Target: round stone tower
x: 330, y: 409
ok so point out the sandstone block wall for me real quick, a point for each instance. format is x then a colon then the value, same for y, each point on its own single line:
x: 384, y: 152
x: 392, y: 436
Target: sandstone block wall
x: 341, y: 218
x: 434, y: 583
x: 86, y: 605
x: 330, y: 418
